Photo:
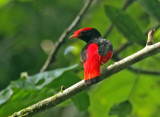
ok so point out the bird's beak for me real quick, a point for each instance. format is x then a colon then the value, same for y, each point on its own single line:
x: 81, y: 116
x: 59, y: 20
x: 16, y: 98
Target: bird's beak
x: 72, y: 36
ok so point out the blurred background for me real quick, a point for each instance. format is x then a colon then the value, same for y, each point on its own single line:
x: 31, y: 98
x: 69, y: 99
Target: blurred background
x: 29, y: 30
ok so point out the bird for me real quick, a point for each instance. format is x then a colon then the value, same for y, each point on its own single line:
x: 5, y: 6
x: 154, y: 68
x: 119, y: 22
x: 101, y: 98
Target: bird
x: 95, y: 53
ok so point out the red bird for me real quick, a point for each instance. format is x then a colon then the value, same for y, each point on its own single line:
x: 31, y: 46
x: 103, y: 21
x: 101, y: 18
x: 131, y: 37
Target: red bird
x: 96, y: 52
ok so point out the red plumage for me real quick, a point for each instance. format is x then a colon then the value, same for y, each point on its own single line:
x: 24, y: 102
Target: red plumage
x: 92, y: 64
x: 106, y: 58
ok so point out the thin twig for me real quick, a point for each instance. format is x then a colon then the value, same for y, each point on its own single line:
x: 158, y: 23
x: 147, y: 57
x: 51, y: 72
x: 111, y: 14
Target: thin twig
x: 126, y: 4
x: 142, y: 71
x: 75, y: 22
x: 155, y: 27
x: 109, y: 30
x: 135, y: 82
x: 133, y: 87
x: 126, y: 44
x: 137, y: 70
x: 121, y: 48
x: 78, y: 87
x: 150, y: 37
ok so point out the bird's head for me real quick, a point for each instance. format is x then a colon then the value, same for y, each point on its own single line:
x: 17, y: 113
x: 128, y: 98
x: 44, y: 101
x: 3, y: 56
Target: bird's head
x: 86, y: 34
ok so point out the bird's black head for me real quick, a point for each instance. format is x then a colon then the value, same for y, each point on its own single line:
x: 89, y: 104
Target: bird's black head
x: 86, y: 34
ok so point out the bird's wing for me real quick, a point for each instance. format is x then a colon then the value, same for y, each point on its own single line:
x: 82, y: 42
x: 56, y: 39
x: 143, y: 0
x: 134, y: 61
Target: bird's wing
x: 83, y: 55
x: 104, y: 46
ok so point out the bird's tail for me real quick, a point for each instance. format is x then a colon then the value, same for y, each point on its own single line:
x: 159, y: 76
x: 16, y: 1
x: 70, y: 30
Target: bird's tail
x: 92, y: 65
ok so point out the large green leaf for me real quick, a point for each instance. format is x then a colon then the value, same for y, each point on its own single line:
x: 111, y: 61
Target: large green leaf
x: 142, y: 18
x: 110, y: 92
x: 152, y: 7
x: 121, y: 109
x: 144, y: 97
x: 31, y: 89
x: 125, y: 24
x: 81, y: 100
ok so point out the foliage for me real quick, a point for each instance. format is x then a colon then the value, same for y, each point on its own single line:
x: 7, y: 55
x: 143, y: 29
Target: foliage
x: 126, y: 25
x: 48, y: 83
x: 28, y: 32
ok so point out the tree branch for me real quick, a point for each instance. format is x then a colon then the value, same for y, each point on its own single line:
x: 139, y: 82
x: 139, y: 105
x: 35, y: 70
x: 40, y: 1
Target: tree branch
x: 125, y: 45
x: 136, y: 70
x: 80, y: 86
x: 75, y: 22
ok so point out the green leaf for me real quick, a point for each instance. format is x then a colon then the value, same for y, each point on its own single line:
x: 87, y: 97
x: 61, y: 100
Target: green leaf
x: 125, y: 24
x: 152, y: 7
x: 38, y: 87
x: 4, y: 2
x: 111, y: 91
x: 121, y: 109
x: 5, y: 95
x: 81, y: 100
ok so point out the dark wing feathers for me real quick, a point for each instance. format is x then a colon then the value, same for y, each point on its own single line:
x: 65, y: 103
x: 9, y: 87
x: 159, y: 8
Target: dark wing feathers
x: 83, y: 55
x: 104, y: 46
